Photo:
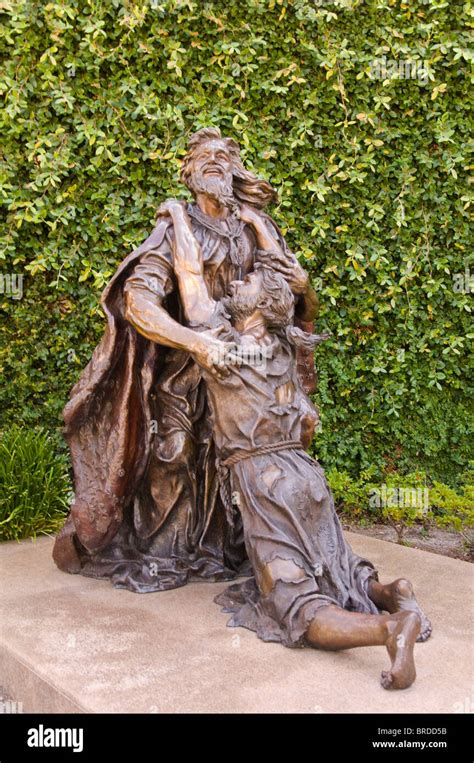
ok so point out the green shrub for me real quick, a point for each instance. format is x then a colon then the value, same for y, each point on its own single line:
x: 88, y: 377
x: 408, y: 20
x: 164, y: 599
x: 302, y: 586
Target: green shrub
x: 100, y: 98
x: 351, y: 496
x: 403, y: 501
x: 454, y: 510
x: 35, y: 491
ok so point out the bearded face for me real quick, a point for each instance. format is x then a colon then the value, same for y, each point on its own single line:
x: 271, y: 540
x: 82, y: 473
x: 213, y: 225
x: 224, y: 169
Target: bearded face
x: 262, y: 290
x: 210, y: 173
x: 240, y: 305
x: 244, y: 296
x: 217, y: 188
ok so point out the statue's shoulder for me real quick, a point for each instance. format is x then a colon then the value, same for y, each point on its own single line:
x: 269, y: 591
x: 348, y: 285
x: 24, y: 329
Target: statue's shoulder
x: 153, y: 242
x: 163, y: 227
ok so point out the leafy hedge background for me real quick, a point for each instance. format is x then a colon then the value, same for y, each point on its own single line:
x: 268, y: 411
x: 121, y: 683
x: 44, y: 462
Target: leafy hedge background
x: 99, y: 98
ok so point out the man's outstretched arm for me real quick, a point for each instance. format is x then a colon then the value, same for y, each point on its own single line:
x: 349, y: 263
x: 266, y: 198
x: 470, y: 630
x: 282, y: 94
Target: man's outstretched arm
x: 198, y: 306
x: 144, y: 293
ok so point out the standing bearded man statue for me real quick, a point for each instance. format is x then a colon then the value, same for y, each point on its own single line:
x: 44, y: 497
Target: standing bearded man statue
x: 147, y: 512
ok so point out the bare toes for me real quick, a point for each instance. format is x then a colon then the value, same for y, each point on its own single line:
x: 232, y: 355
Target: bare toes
x: 426, y: 630
x: 386, y: 679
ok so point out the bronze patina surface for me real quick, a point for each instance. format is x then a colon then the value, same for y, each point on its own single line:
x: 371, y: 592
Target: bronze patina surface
x: 189, y: 427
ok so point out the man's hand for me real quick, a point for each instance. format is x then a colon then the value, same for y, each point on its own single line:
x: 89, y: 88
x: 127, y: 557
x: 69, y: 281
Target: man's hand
x: 171, y: 208
x: 212, y: 353
x: 288, y: 266
x: 249, y: 215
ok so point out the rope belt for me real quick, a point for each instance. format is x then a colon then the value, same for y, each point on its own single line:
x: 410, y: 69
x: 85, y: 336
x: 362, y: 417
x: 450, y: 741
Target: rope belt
x: 272, y: 448
x: 223, y: 470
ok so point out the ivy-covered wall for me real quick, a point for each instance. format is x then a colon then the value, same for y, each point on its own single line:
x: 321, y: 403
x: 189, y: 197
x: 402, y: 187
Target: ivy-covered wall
x: 357, y: 111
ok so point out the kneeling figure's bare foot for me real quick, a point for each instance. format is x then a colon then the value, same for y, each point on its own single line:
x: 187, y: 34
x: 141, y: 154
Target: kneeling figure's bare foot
x: 404, y: 601
x: 400, y: 645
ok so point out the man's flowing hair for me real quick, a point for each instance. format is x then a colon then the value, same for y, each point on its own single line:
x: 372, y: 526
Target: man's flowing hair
x: 248, y: 188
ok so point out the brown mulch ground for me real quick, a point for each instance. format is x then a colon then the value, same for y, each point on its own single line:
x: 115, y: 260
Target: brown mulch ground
x: 436, y: 540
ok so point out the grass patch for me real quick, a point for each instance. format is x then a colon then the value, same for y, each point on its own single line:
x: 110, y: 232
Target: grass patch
x: 35, y: 491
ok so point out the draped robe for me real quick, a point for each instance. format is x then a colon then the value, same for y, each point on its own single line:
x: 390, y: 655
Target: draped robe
x: 147, y: 512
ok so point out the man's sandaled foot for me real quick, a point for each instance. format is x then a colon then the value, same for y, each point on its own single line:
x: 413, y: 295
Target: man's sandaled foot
x: 400, y: 645
x: 404, y: 601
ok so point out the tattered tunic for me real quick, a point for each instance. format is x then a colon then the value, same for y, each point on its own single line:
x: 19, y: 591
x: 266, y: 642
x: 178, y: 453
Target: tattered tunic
x: 284, y: 502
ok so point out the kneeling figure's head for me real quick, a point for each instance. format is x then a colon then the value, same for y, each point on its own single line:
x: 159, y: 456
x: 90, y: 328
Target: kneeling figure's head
x: 265, y: 292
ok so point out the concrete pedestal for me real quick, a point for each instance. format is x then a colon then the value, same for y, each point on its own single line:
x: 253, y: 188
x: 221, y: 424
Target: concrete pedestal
x: 73, y: 644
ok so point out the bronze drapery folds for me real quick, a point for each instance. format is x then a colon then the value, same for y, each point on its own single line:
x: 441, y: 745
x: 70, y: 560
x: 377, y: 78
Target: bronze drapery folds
x: 188, y: 428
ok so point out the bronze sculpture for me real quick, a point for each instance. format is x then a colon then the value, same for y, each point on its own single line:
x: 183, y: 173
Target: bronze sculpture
x: 190, y: 461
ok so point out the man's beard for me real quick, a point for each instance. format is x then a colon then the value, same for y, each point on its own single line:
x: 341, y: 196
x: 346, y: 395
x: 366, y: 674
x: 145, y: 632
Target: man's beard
x: 218, y: 188
x: 240, y: 306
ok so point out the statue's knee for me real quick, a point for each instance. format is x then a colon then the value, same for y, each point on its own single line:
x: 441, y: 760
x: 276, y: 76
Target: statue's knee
x: 280, y: 569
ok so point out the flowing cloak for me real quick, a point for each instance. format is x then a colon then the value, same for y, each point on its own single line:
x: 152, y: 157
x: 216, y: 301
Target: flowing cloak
x: 108, y: 416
